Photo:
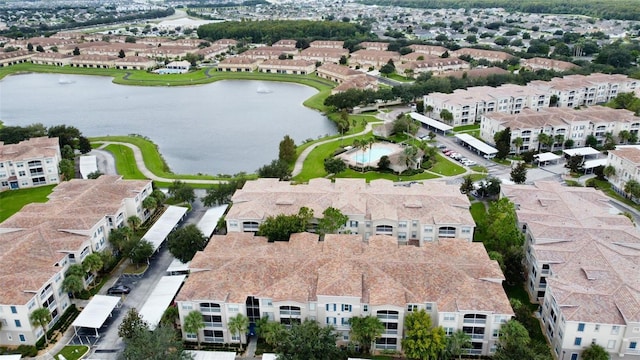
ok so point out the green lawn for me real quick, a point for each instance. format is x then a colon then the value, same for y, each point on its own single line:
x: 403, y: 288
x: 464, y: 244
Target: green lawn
x: 72, y: 352
x: 13, y: 200
x: 398, y: 77
x: 374, y: 175
x: 466, y: 128
x: 125, y: 161
x: 445, y: 167
x: 478, y: 212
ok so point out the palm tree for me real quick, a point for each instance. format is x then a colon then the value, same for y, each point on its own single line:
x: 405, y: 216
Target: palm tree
x: 428, y: 109
x: 457, y: 343
x: 41, y: 317
x: 543, y: 139
x: 517, y: 142
x: 609, y: 171
x: 370, y: 143
x: 238, y: 325
x: 365, y: 330
x: 93, y: 263
x: 73, y: 284
x: 134, y: 222
x: 272, y: 332
x: 559, y: 139
x: 624, y: 136
x: 193, y: 323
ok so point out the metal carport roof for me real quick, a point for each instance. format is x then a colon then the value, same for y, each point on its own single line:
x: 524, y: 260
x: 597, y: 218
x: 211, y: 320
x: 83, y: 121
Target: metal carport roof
x: 96, y: 312
x: 212, y: 355
x: 160, y: 299
x: 157, y: 234
x: 477, y: 144
x: 583, y: 151
x: 431, y: 122
x: 88, y: 164
x: 210, y: 219
x: 547, y: 156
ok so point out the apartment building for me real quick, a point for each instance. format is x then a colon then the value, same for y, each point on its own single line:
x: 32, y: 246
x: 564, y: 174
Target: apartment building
x: 238, y: 64
x: 29, y: 163
x: 51, y: 58
x: 269, y: 52
x: 489, y: 55
x: 561, y: 123
x: 93, y: 61
x: 373, y: 58
x: 626, y: 161
x: 286, y: 43
x: 327, y: 44
x: 41, y: 241
x: 337, y: 73
x: 342, y: 277
x: 538, y: 63
x: 14, y: 57
x: 468, y: 105
x: 417, y: 214
x: 296, y: 67
x: 433, y: 65
x: 571, y: 91
x: 428, y: 49
x: 582, y: 260
x: 374, y: 45
x: 135, y: 63
x: 579, y: 90
x: 361, y: 82
x: 322, y: 55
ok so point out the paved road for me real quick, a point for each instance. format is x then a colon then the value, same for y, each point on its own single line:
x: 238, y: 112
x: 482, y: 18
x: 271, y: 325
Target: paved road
x: 106, y: 161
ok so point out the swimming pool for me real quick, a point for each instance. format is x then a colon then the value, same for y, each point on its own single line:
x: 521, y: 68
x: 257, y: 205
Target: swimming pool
x: 370, y: 156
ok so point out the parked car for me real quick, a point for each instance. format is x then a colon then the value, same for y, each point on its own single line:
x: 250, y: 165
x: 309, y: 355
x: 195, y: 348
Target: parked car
x: 118, y: 290
x: 471, y: 163
x: 442, y: 146
x: 445, y: 150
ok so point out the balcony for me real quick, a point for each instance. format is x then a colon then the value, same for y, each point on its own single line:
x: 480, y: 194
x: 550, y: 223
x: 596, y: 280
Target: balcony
x: 475, y: 321
x: 474, y: 351
x: 391, y: 332
x: 476, y: 336
x: 211, y: 339
x: 206, y: 310
x: 387, y: 316
x: 213, y: 324
x: 290, y: 312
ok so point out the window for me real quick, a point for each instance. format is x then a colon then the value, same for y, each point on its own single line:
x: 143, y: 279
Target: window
x: 577, y: 341
x: 597, y: 327
x: 412, y: 307
x: 574, y: 356
x: 14, y: 310
x: 345, y: 321
x: 414, y: 223
x: 611, y: 344
x: 330, y: 320
x: 466, y: 230
x: 233, y: 308
x: 187, y: 306
x: 402, y: 224
x: 448, y: 331
x: 615, y: 329
x: 353, y: 223
x: 633, y: 345
x: 22, y: 338
x: 365, y: 308
x: 495, y: 333
x: 191, y: 336
x: 449, y: 317
x: 447, y: 231
x: 428, y: 306
x: 581, y: 327
x: 402, y: 236
x: 428, y: 229
x: 18, y: 323
x: 331, y: 307
x: 346, y: 307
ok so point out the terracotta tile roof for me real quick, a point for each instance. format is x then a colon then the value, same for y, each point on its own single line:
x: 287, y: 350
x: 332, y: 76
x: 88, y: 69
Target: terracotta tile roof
x: 556, y: 116
x: 593, y: 252
x: 40, y: 147
x: 631, y: 154
x: 379, y: 199
x: 455, y: 274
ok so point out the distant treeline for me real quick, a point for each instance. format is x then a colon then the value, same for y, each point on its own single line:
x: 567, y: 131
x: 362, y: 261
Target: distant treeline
x: 205, y: 4
x: 43, y: 29
x: 270, y: 31
x: 606, y: 9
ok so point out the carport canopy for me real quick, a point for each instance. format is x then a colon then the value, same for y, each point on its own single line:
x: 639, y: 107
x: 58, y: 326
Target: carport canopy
x: 210, y: 219
x: 547, y: 156
x: 431, y: 122
x: 11, y: 357
x: 213, y: 355
x: 583, y: 151
x: 590, y: 164
x: 478, y: 145
x: 158, y: 233
x: 88, y: 165
x: 160, y: 299
x: 96, y: 312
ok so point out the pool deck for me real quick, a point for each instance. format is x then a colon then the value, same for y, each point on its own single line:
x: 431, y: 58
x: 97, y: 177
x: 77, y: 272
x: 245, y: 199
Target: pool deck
x: 351, y: 156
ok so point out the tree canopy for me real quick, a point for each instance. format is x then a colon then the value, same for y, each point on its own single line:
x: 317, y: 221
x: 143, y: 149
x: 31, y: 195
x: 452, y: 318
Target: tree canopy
x: 280, y: 227
x: 287, y: 151
x: 182, y: 191
x: 131, y: 324
x: 365, y: 330
x: 309, y: 341
x: 277, y: 169
x: 184, y: 242
x: 332, y: 220
x: 422, y: 340
x: 221, y: 193
x: 269, y: 31
x: 159, y: 344
x: 502, y: 139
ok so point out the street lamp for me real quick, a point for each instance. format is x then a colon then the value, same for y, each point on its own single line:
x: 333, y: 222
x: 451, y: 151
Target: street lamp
x: 563, y: 351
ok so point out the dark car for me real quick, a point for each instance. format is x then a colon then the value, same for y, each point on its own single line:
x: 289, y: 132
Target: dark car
x: 118, y: 289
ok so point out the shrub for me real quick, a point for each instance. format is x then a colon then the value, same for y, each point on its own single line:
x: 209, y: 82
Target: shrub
x: 28, y: 350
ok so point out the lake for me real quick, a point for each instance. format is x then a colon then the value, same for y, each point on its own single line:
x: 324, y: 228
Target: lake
x: 220, y: 128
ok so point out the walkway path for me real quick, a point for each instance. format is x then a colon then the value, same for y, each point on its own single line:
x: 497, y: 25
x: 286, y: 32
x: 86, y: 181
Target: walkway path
x: 146, y: 172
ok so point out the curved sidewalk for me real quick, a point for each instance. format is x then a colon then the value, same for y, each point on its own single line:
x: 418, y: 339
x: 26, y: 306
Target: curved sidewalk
x: 297, y: 168
x: 137, y: 153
